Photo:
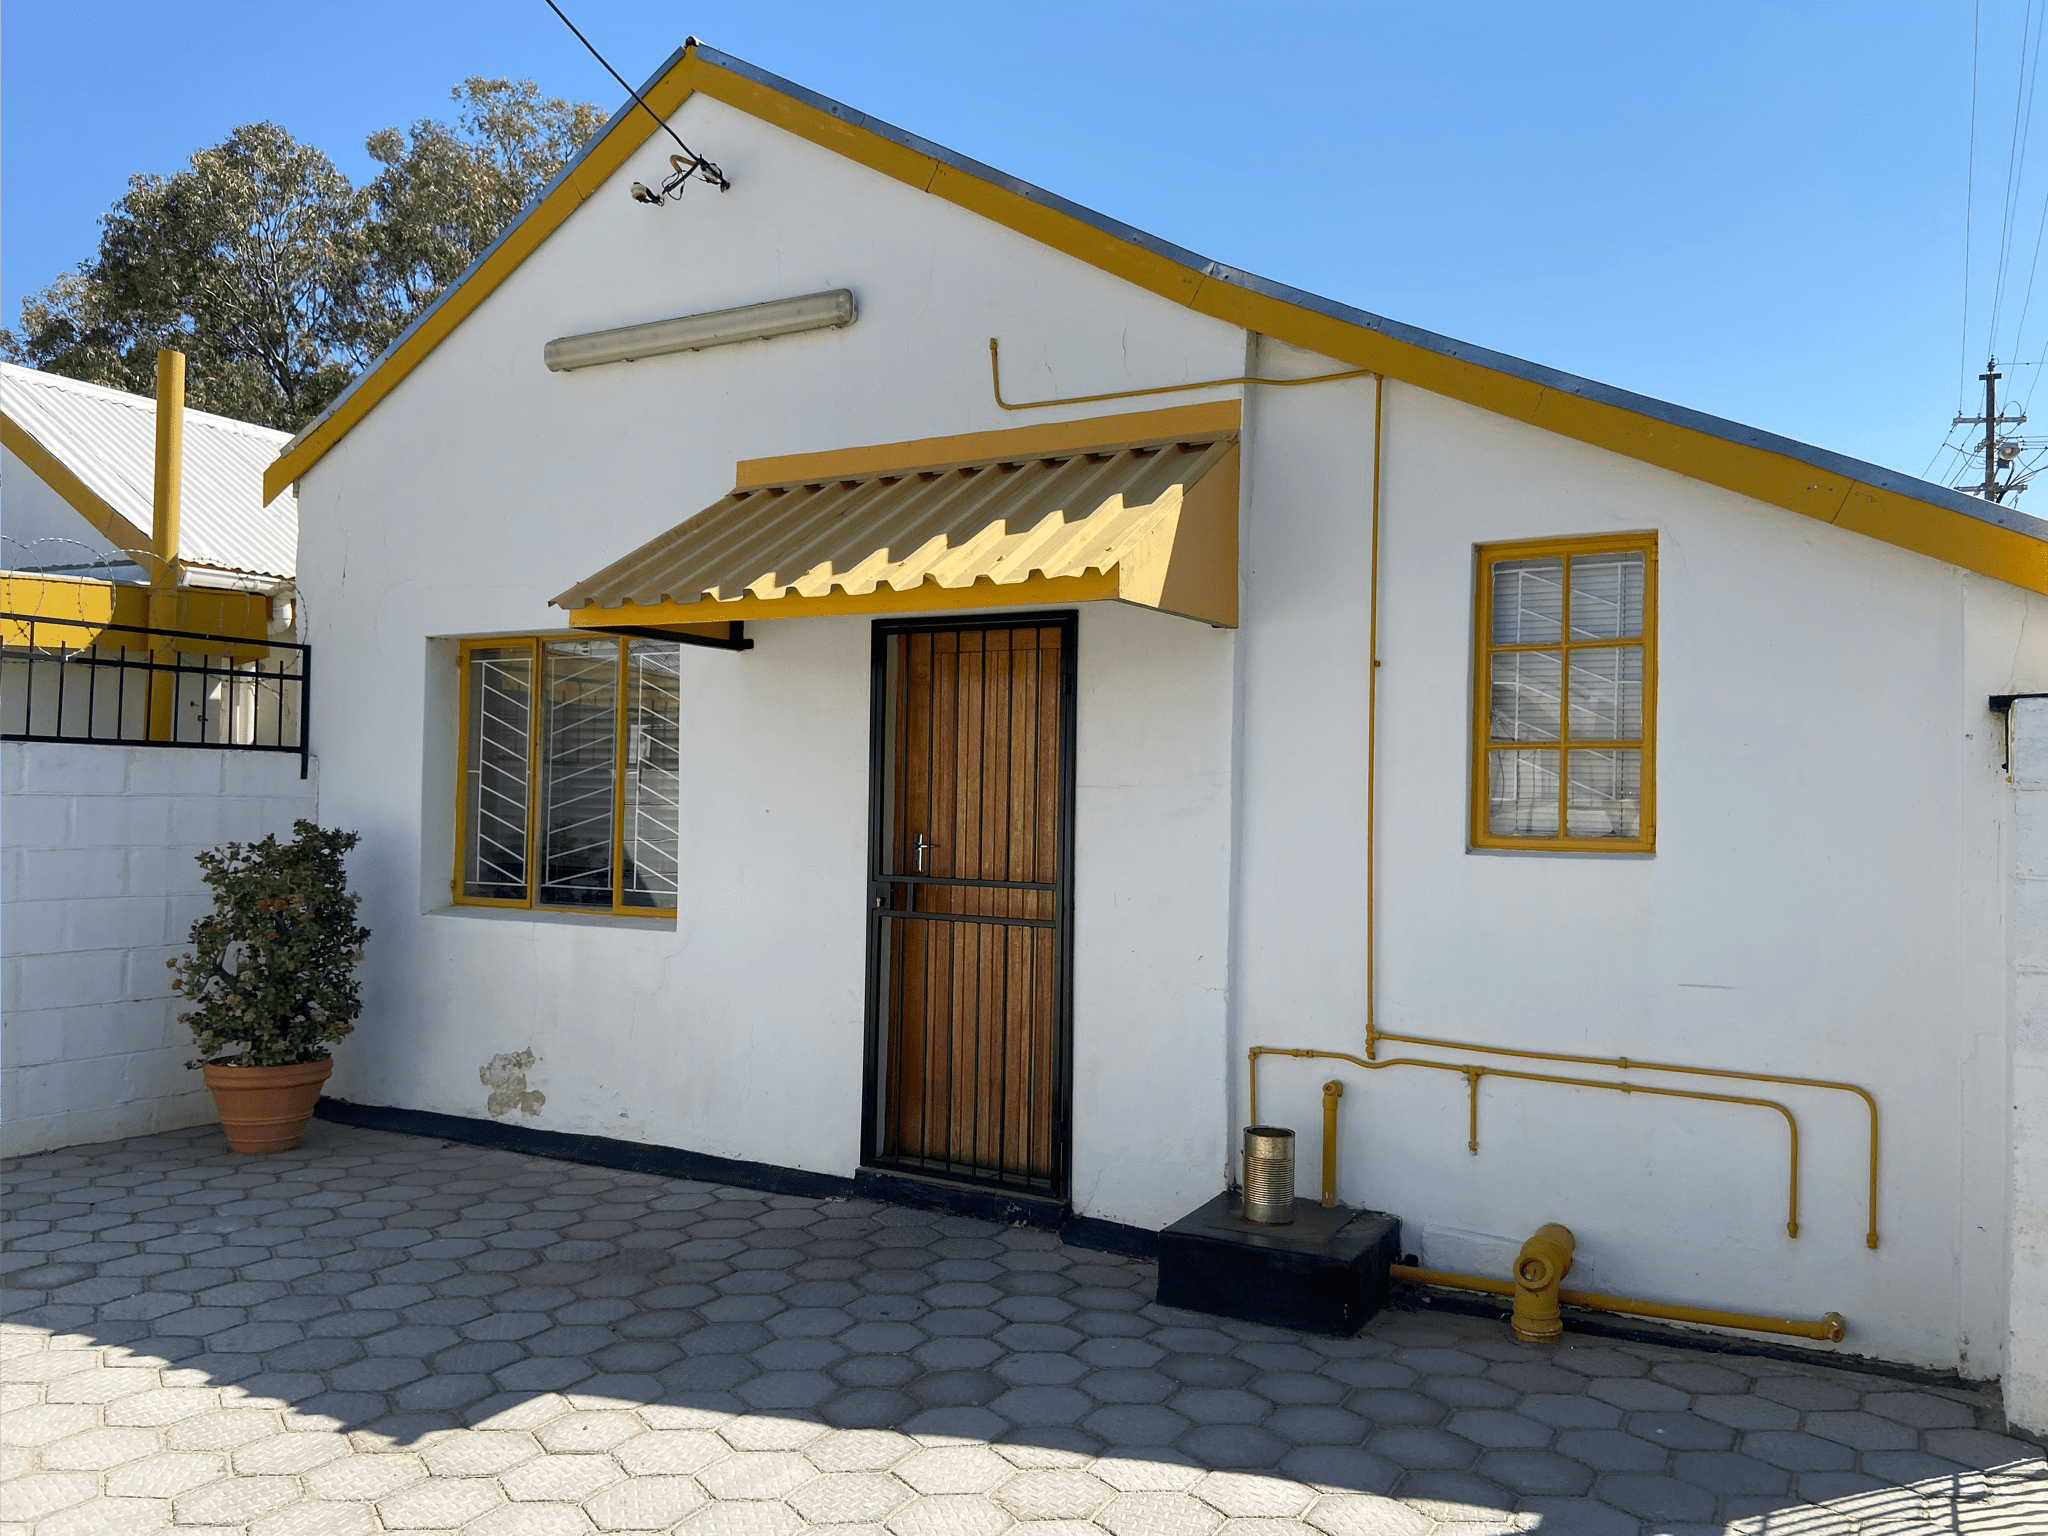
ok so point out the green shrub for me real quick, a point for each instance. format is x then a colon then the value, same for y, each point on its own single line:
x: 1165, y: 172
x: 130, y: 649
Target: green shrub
x: 273, y: 966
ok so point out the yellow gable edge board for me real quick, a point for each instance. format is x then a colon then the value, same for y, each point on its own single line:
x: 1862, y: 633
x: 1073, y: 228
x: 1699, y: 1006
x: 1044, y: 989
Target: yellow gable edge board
x: 1759, y: 473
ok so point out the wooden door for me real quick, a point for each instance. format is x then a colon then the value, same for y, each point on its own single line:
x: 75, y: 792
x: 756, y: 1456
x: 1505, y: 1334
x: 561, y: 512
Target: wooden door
x: 968, y: 901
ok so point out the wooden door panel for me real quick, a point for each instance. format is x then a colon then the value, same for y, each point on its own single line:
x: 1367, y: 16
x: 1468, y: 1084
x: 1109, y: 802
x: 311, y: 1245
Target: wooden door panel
x: 970, y: 901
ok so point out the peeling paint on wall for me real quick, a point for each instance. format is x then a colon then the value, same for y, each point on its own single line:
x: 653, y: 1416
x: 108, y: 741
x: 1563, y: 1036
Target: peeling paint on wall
x: 505, y: 1075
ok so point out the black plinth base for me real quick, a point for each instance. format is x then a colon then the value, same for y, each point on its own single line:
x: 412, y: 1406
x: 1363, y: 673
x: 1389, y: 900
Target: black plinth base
x: 1325, y: 1272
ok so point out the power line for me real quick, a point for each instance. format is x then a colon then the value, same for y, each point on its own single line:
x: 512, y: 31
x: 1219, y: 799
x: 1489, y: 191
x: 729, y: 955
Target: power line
x: 698, y: 162
x: 2015, y: 169
x: 1969, y: 199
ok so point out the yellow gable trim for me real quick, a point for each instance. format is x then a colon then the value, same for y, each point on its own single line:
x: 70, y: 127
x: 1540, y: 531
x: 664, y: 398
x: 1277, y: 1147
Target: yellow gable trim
x: 1759, y: 473
x: 82, y: 498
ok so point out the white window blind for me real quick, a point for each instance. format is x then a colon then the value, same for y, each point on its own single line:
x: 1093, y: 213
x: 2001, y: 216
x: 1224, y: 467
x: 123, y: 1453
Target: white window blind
x: 1566, y: 647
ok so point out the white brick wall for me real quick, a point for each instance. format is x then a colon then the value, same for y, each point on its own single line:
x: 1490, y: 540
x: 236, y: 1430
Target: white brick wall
x: 98, y: 887
x: 2026, y: 1374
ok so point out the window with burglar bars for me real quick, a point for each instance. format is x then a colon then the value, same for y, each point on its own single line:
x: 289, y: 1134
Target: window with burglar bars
x: 1564, y: 713
x: 571, y: 754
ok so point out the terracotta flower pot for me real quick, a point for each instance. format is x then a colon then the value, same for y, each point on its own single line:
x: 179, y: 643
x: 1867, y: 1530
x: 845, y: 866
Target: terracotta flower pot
x: 265, y: 1109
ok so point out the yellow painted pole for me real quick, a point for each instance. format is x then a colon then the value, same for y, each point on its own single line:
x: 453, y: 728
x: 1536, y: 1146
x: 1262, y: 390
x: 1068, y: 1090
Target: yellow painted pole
x: 164, y: 570
x: 1332, y: 1092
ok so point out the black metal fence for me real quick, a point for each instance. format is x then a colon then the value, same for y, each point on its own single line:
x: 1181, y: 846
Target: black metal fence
x: 86, y: 681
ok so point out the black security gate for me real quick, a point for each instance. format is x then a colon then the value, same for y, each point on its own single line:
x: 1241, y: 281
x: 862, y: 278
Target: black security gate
x: 970, y: 901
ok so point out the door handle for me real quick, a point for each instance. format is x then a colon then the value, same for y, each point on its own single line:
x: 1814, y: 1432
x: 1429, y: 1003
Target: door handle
x: 918, y: 850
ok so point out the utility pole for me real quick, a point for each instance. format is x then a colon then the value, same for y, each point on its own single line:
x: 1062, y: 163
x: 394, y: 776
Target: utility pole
x: 1991, y: 421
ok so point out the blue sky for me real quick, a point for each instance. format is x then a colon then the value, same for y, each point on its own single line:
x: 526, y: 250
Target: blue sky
x: 1754, y: 209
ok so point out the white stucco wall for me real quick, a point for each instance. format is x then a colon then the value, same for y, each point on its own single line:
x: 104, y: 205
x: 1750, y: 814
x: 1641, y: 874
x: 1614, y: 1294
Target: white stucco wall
x: 40, y: 529
x: 2026, y: 1374
x: 98, y: 888
x: 487, y: 484
x: 1827, y: 897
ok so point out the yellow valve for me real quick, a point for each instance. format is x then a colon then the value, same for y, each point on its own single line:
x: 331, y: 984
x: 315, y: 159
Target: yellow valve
x: 1540, y: 1269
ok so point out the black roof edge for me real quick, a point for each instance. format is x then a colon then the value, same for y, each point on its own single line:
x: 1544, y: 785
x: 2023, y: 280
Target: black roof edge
x: 1875, y: 475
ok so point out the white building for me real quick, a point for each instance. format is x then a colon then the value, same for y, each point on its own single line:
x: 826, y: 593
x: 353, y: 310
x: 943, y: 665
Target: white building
x: 100, y: 553
x: 77, y: 489
x: 1270, y: 758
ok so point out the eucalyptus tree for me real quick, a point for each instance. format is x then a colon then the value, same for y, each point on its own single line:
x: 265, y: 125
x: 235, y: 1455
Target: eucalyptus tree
x: 277, y: 277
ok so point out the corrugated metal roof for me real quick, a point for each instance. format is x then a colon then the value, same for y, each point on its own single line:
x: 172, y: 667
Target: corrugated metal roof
x: 108, y: 439
x: 370, y: 382
x: 1002, y: 521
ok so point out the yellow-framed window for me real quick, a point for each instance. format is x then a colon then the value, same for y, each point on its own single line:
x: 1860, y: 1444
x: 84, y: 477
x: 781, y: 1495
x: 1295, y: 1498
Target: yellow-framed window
x: 1564, y: 705
x: 570, y: 759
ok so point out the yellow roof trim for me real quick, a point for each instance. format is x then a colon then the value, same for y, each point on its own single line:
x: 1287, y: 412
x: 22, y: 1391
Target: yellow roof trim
x: 1095, y: 434
x: 1781, y: 479
x: 88, y: 503
x: 1153, y: 524
x: 930, y: 597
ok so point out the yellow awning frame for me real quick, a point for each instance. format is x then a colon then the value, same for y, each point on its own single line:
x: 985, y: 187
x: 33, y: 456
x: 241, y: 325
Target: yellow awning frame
x: 1176, y: 554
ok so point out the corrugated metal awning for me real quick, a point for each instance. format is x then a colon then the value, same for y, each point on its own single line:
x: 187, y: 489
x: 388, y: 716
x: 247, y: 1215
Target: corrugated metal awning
x: 1153, y: 524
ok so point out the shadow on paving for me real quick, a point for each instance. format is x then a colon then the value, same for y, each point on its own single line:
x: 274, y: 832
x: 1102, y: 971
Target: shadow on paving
x: 462, y: 1337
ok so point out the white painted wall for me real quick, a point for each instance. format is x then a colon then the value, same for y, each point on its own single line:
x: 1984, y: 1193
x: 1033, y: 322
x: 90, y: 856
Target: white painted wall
x: 98, y: 888
x: 487, y: 484
x: 40, y: 529
x: 1827, y: 897
x: 2026, y: 1373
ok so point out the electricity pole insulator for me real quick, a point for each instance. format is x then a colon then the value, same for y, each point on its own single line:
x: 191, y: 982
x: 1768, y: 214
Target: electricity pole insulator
x: 1991, y: 421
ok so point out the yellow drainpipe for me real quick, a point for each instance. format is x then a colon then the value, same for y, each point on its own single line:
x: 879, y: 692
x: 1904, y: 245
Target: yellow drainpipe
x: 165, y: 572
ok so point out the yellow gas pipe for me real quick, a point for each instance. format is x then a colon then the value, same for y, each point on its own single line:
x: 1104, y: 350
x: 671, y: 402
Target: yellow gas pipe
x: 1332, y: 1092
x: 1629, y: 1064
x: 1832, y: 1328
x: 1472, y: 1073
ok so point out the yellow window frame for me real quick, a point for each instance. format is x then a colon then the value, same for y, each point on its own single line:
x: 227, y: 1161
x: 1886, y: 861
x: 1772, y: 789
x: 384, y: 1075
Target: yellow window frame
x: 1484, y: 650
x: 533, y: 645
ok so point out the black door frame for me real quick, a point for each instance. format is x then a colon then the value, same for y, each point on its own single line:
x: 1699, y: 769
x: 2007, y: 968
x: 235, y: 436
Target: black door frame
x: 880, y: 785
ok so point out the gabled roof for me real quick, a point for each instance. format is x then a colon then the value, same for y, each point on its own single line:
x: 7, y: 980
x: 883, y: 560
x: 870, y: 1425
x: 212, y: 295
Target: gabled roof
x: 97, y: 448
x: 1865, y: 498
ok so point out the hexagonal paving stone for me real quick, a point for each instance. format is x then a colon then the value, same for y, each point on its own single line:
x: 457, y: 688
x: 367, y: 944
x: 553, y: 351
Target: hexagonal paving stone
x: 1053, y: 1494
x: 561, y: 1478
x: 645, y: 1504
x: 31, y: 1498
x: 669, y: 1452
x: 589, y: 1431
x: 756, y: 1475
x: 317, y: 1517
x: 949, y: 1514
x: 97, y: 1449
x: 954, y: 1469
x: 235, y: 1501
x: 1158, y: 1514
x: 166, y: 1476
x: 838, y: 1498
x: 440, y: 1503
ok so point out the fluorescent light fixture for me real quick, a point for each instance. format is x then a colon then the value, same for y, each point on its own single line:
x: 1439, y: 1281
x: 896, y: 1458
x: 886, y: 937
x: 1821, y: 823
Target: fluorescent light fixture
x: 693, y: 333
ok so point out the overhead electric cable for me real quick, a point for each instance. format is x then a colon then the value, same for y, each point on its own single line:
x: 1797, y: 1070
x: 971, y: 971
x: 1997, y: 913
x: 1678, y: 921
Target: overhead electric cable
x: 1969, y: 199
x: 658, y: 118
x: 2015, y: 165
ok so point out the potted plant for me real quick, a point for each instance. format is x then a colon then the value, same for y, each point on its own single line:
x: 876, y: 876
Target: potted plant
x: 272, y: 969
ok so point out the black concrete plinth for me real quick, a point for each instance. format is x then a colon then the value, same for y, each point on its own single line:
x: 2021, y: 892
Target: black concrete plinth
x: 1325, y: 1272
